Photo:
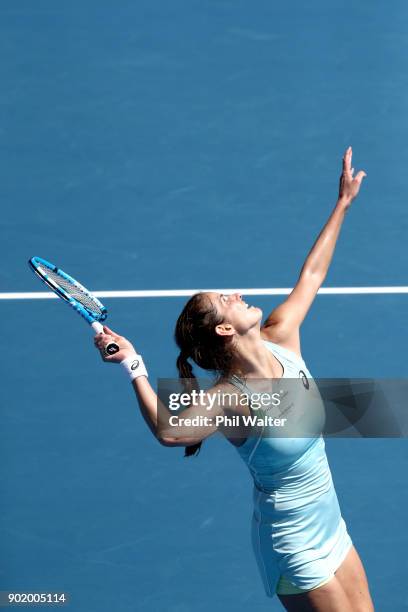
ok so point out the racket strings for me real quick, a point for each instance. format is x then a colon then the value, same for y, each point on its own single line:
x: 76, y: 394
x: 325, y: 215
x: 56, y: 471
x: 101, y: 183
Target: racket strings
x: 76, y: 292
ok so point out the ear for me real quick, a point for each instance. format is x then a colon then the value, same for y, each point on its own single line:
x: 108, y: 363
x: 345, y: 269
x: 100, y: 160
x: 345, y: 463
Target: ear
x: 225, y: 329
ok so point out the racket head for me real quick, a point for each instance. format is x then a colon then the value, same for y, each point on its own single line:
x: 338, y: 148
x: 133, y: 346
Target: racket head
x: 69, y: 289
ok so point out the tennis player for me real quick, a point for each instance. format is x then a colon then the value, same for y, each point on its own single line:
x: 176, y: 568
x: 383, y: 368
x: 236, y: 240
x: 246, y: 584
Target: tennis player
x: 303, y: 550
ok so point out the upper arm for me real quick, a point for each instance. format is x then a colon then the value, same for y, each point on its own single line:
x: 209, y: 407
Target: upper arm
x: 283, y: 324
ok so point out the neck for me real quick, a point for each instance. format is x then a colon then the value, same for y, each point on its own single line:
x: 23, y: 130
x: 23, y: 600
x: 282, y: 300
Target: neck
x: 254, y: 358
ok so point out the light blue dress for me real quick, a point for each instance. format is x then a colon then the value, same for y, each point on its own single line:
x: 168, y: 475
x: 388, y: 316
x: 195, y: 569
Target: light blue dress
x: 297, y: 527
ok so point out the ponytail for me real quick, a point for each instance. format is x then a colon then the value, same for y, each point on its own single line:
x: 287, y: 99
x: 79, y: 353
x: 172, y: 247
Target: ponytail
x: 195, y: 335
x: 189, y: 382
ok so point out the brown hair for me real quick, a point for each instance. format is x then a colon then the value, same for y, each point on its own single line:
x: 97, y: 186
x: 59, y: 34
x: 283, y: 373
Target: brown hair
x: 197, y: 339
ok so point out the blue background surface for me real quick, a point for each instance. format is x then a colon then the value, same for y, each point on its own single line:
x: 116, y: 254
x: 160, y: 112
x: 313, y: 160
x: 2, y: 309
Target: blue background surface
x: 154, y: 145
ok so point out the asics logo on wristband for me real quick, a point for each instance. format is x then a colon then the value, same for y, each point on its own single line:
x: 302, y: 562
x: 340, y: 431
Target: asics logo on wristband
x: 134, y: 366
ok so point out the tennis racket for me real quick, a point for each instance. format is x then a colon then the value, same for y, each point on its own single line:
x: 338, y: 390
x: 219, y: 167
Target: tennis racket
x: 74, y: 294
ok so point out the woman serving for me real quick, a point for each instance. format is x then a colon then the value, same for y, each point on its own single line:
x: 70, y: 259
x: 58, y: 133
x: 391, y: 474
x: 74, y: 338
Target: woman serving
x: 304, y: 552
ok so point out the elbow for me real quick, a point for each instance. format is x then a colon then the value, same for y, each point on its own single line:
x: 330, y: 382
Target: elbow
x: 314, y: 275
x: 163, y: 440
x: 168, y: 441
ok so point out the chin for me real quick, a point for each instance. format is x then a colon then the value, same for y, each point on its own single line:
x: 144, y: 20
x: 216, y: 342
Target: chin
x: 258, y: 311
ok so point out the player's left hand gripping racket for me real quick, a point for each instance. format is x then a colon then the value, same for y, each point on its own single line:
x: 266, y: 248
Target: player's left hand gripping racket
x: 74, y: 294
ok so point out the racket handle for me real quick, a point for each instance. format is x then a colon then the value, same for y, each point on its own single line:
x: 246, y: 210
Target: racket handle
x: 112, y: 347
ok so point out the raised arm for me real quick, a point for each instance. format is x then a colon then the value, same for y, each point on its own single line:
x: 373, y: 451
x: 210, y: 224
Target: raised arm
x: 283, y: 324
x: 154, y: 412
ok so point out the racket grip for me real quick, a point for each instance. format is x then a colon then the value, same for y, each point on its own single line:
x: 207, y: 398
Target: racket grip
x: 110, y: 348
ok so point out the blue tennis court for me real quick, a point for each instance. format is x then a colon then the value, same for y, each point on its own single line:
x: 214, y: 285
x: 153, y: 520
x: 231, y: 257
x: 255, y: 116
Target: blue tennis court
x: 187, y: 145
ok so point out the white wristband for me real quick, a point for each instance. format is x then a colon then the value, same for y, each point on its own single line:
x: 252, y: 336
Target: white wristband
x: 134, y: 366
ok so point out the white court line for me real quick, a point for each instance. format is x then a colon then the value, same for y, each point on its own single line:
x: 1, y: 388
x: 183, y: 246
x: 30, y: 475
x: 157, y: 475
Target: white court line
x: 44, y: 295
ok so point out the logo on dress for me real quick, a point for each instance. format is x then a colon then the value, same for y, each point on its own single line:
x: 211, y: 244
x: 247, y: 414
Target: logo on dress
x: 305, y: 381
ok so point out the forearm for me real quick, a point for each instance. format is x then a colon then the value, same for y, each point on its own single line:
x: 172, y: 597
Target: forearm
x: 148, y: 402
x: 158, y: 417
x: 156, y: 414
x: 319, y: 258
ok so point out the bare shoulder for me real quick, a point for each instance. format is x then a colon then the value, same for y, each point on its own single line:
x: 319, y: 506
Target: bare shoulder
x: 223, y: 387
x: 286, y: 338
x: 227, y: 395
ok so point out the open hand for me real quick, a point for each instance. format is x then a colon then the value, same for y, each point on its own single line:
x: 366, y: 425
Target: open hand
x: 349, y: 184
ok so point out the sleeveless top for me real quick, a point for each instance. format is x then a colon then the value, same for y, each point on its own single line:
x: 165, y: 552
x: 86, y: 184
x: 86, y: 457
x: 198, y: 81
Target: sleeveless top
x: 270, y: 452
x: 297, y: 528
